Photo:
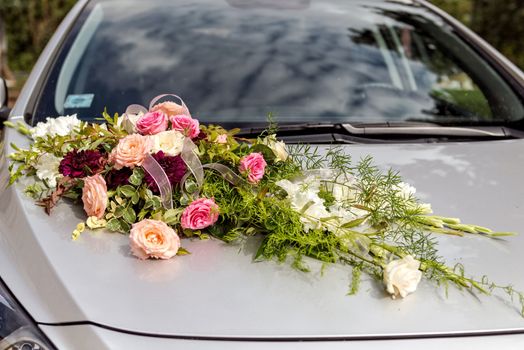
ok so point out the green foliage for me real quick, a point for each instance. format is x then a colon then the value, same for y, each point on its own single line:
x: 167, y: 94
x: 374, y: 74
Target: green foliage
x: 30, y: 24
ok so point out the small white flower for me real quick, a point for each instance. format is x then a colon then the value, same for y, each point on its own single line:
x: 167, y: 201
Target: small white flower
x: 402, y: 276
x: 170, y: 142
x: 304, y: 199
x: 60, y: 126
x: 405, y: 190
x: 425, y: 208
x: 47, y: 168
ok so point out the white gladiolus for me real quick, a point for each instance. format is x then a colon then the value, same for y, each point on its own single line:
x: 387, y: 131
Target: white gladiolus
x: 402, y: 276
x: 60, y: 126
x: 47, y: 168
x: 304, y: 198
x: 170, y: 142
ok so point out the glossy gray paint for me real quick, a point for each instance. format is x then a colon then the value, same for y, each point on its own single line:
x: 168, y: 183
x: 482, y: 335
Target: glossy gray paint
x: 218, y: 292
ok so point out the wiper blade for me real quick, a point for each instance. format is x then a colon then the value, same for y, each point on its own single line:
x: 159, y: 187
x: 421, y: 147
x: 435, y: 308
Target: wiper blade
x: 387, y: 132
x: 393, y: 128
x: 432, y: 130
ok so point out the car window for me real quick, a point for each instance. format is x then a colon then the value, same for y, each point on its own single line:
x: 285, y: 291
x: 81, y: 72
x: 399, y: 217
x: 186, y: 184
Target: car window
x: 307, y: 61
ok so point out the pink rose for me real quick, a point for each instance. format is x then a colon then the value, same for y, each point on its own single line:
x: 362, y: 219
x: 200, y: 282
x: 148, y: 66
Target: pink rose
x: 186, y: 125
x: 152, y: 123
x: 153, y: 239
x: 169, y: 108
x: 253, y: 166
x: 200, y: 214
x: 130, y: 151
x: 94, y: 196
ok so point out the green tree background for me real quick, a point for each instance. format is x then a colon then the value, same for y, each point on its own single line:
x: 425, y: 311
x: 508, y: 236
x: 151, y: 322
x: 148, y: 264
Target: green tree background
x: 30, y: 23
x: 501, y: 23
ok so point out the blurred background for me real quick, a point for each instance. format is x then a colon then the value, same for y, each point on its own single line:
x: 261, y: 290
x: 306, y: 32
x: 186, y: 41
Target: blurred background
x: 27, y: 25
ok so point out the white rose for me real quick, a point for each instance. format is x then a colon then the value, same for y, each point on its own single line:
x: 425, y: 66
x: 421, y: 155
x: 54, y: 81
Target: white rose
x: 47, y: 168
x: 278, y: 148
x: 402, y: 276
x: 61, y: 126
x: 170, y: 142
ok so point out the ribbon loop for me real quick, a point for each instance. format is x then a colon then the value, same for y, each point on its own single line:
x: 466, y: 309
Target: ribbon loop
x: 226, y: 172
x: 157, y: 98
x: 192, y: 162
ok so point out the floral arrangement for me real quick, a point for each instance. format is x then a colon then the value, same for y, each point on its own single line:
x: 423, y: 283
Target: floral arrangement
x: 157, y: 175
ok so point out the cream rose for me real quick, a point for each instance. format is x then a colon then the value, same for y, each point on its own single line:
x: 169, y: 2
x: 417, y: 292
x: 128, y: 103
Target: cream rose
x: 170, y: 142
x: 153, y: 239
x: 130, y: 151
x: 402, y: 276
x: 278, y: 148
x: 94, y: 196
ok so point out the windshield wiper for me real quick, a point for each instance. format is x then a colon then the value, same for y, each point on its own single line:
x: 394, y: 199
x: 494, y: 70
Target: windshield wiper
x: 390, y: 132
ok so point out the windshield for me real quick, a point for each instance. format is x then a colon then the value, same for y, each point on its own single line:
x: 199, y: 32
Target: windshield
x: 235, y: 61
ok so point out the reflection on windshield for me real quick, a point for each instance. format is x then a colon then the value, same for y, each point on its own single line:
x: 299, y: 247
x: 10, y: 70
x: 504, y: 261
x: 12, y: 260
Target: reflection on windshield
x: 236, y: 61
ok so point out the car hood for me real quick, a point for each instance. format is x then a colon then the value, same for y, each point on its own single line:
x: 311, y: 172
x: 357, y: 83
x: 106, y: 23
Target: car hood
x: 219, y: 292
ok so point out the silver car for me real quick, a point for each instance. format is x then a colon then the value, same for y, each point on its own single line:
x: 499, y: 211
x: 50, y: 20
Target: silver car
x: 398, y: 80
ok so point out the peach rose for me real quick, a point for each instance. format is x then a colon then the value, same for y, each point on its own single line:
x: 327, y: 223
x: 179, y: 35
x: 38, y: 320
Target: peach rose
x: 130, y: 151
x: 94, y: 196
x: 153, y: 239
x: 169, y: 108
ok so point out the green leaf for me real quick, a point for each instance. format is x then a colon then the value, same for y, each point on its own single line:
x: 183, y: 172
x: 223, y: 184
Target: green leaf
x: 354, y: 223
x: 260, y: 252
x: 156, y: 203
x: 107, y: 117
x: 127, y: 190
x: 125, y: 227
x: 267, y: 152
x: 129, y: 215
x: 135, y: 198
x: 136, y: 177
x: 119, y: 211
x: 171, y: 216
x: 114, y: 225
x: 183, y: 251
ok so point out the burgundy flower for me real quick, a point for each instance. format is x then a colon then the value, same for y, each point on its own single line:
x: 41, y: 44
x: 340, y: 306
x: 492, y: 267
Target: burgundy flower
x: 201, y: 136
x: 82, y: 163
x: 174, y: 167
x: 116, y: 178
